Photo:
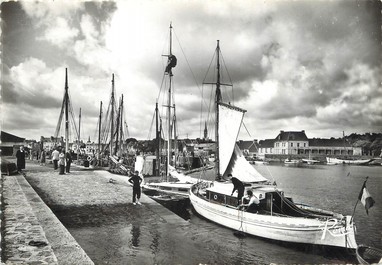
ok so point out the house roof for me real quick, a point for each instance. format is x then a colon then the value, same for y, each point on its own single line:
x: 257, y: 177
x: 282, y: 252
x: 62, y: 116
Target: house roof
x: 7, y: 137
x: 292, y: 136
x: 267, y: 143
x: 252, y: 146
x: 328, y: 142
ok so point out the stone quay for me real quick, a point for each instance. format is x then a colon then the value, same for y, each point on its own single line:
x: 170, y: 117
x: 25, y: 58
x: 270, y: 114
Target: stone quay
x: 31, y: 232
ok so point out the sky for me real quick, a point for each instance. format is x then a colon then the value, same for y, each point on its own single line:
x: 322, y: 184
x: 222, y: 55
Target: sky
x: 293, y: 65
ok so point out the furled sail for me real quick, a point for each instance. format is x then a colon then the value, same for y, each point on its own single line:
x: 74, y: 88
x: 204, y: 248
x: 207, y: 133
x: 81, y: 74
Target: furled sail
x: 181, y: 177
x: 229, y: 123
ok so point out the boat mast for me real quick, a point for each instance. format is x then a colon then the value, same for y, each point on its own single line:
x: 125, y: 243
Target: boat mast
x: 112, y: 116
x: 157, y: 139
x: 117, y: 130
x: 99, y: 131
x: 169, y: 109
x: 218, y: 98
x: 66, y: 111
x: 121, y: 127
x: 175, y: 138
x: 79, y: 136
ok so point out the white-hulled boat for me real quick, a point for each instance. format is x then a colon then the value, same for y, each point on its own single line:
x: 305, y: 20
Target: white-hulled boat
x: 277, y: 216
x: 310, y: 161
x: 292, y: 162
x: 337, y: 161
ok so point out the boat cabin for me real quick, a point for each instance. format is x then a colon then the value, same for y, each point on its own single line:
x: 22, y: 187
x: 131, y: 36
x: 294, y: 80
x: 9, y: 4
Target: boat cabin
x: 272, y: 200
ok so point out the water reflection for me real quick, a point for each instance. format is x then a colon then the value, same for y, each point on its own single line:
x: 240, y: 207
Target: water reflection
x: 154, y: 246
x: 135, y: 233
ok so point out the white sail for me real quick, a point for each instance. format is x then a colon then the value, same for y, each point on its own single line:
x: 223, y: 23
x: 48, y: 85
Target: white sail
x: 139, y: 163
x: 229, y: 123
x: 240, y: 168
x: 231, y: 159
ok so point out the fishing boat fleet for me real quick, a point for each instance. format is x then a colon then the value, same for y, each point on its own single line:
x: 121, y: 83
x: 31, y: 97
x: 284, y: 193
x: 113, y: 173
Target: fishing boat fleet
x: 276, y: 216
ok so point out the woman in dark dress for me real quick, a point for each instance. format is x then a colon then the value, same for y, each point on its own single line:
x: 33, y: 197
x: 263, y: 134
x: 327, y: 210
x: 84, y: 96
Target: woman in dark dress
x: 20, y: 155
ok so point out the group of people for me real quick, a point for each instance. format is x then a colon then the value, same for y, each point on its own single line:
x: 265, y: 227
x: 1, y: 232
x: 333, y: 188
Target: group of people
x: 250, y: 202
x: 61, y: 160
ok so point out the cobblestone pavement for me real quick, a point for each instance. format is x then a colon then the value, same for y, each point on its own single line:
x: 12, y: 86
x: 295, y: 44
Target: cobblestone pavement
x: 85, y: 194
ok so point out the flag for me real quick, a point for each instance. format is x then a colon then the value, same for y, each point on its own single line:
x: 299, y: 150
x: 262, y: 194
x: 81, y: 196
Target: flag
x: 365, y: 198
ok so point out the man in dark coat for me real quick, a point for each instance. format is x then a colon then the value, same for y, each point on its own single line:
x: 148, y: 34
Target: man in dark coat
x: 20, y: 155
x: 68, y: 158
x: 239, y: 186
x: 136, y: 181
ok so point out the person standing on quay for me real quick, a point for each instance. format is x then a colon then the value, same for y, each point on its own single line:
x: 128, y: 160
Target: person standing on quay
x: 55, y: 157
x: 61, y: 162
x: 68, y: 158
x: 136, y: 181
x: 42, y: 157
x: 20, y: 155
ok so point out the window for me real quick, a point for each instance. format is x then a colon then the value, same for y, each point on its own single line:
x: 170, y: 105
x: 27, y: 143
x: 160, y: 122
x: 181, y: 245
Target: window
x: 291, y: 144
x: 298, y: 144
x: 304, y: 144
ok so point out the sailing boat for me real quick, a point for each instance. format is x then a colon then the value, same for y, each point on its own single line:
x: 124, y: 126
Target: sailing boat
x: 181, y: 184
x: 340, y: 161
x: 66, y: 109
x: 277, y: 216
x: 310, y: 161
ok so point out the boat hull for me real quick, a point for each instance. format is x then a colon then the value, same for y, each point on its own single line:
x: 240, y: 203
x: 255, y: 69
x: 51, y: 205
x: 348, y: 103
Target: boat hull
x: 337, y: 161
x: 168, y: 188
x: 288, y: 229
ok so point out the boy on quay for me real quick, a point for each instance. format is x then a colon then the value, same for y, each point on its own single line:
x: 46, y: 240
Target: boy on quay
x: 136, y: 180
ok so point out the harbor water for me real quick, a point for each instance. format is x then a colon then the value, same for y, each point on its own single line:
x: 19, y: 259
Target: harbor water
x: 104, y: 235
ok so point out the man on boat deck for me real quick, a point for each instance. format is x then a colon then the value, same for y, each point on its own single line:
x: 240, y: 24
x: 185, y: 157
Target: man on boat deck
x: 239, y: 186
x: 253, y: 202
x: 136, y: 181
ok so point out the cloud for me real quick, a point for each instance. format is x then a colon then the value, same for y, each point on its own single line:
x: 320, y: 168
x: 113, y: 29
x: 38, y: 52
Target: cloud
x: 60, y: 34
x: 311, y: 65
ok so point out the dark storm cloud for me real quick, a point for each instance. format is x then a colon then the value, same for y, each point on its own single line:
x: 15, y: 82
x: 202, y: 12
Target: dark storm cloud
x: 298, y: 63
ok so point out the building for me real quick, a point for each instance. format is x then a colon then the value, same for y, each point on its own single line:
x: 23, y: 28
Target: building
x: 266, y: 147
x: 10, y: 143
x: 297, y: 143
x: 290, y: 143
x: 49, y: 143
x: 249, y: 148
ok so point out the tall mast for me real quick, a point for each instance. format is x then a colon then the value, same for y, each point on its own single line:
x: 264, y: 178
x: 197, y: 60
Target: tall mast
x: 112, y: 116
x: 117, y: 129
x: 66, y: 111
x: 99, y: 131
x: 157, y: 140
x: 169, y: 109
x: 121, y: 126
x: 218, y: 98
x: 175, y: 137
x: 79, y: 136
